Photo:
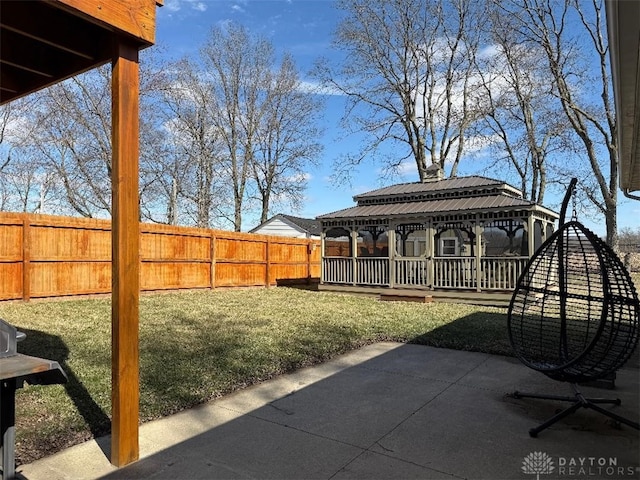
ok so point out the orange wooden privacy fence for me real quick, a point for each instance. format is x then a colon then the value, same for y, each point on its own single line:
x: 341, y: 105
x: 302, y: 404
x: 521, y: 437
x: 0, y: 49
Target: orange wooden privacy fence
x: 46, y: 256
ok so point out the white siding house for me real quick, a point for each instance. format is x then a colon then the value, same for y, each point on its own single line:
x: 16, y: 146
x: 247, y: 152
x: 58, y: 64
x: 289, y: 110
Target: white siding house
x: 289, y: 226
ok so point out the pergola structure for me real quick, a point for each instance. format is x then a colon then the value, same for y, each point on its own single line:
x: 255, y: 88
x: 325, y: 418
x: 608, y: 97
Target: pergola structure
x: 43, y: 42
x: 471, y: 233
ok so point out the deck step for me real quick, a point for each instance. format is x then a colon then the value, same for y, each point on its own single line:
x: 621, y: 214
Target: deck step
x: 396, y: 297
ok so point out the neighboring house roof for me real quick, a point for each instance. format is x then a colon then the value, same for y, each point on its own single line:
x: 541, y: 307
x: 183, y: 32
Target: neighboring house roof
x: 309, y: 226
x: 472, y: 194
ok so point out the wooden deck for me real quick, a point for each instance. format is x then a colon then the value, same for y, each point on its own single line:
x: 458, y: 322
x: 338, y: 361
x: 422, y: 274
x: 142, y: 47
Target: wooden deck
x: 499, y: 299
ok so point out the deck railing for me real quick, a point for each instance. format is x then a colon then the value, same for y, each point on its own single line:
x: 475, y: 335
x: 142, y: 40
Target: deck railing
x: 454, y: 272
x: 496, y: 273
x: 372, y: 271
x: 337, y: 270
x: 501, y: 273
x: 411, y: 272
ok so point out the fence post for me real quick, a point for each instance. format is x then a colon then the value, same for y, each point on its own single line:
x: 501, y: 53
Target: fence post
x: 26, y: 258
x: 268, y: 263
x: 212, y: 252
x: 310, y: 245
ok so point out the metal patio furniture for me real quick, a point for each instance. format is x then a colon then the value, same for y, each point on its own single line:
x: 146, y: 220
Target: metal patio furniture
x: 574, y: 315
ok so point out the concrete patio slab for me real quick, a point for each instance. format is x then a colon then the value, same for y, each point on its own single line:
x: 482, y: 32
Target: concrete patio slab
x: 385, y: 411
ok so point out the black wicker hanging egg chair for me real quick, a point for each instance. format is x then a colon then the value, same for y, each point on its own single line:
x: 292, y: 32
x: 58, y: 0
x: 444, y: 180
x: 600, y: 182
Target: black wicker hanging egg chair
x: 574, y: 315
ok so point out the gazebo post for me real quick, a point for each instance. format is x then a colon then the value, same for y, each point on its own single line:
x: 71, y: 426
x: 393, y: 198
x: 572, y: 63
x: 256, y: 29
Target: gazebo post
x: 477, y: 230
x: 430, y: 253
x: 530, y: 234
x: 354, y: 253
x: 323, y: 238
x: 391, y: 254
x: 125, y: 393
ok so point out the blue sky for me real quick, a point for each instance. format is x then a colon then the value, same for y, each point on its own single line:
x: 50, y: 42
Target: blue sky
x: 304, y: 28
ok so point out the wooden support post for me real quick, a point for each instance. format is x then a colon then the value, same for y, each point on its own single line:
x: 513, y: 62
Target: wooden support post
x: 125, y: 249
x: 26, y: 258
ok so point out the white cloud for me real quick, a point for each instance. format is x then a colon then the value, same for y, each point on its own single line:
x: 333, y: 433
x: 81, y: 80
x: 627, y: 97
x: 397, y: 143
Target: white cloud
x: 358, y: 189
x: 309, y: 86
x: 172, y: 5
x: 489, y: 51
x: 299, y: 177
x: 18, y: 129
x: 177, y: 5
x: 407, y: 167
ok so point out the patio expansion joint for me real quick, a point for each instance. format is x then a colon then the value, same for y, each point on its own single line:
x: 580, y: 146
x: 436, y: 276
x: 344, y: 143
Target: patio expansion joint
x: 407, y: 418
x: 407, y: 375
x: 409, y: 462
x: 302, y: 430
x: 449, y: 384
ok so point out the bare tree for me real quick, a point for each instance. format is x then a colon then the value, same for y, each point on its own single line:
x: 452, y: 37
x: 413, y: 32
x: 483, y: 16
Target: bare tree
x: 24, y: 184
x: 191, y: 168
x: 264, y: 122
x: 522, y: 118
x: 236, y: 65
x: 571, y: 33
x: 409, y: 65
x: 286, y: 141
x: 74, y: 139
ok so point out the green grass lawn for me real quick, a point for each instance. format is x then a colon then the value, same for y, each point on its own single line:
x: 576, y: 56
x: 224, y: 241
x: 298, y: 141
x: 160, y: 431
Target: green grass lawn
x: 196, y: 346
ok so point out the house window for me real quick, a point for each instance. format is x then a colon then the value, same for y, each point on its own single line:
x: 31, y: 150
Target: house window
x: 449, y: 246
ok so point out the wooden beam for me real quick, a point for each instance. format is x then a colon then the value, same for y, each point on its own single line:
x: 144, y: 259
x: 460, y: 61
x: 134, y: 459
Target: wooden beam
x: 137, y: 19
x: 125, y: 393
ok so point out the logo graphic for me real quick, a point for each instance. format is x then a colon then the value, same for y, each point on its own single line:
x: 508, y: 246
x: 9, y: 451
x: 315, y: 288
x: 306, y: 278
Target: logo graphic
x: 537, y: 463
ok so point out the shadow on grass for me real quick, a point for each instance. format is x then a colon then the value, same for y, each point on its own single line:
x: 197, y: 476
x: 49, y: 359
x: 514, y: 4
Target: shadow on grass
x: 51, y: 347
x: 478, y: 332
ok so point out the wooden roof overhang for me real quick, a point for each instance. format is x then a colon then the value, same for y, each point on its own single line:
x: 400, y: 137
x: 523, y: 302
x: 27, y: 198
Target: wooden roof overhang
x: 623, y: 25
x: 43, y: 42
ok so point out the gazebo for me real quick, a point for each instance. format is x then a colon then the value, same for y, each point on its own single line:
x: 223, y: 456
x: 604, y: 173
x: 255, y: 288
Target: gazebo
x: 472, y: 233
x: 45, y: 42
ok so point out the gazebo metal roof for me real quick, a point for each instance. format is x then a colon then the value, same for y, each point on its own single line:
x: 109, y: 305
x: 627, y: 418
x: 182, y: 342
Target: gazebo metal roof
x: 468, y: 195
x: 438, y: 187
x: 438, y: 207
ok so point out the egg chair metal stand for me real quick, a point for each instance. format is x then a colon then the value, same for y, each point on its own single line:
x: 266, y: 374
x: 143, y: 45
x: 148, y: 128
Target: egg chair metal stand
x: 574, y: 315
